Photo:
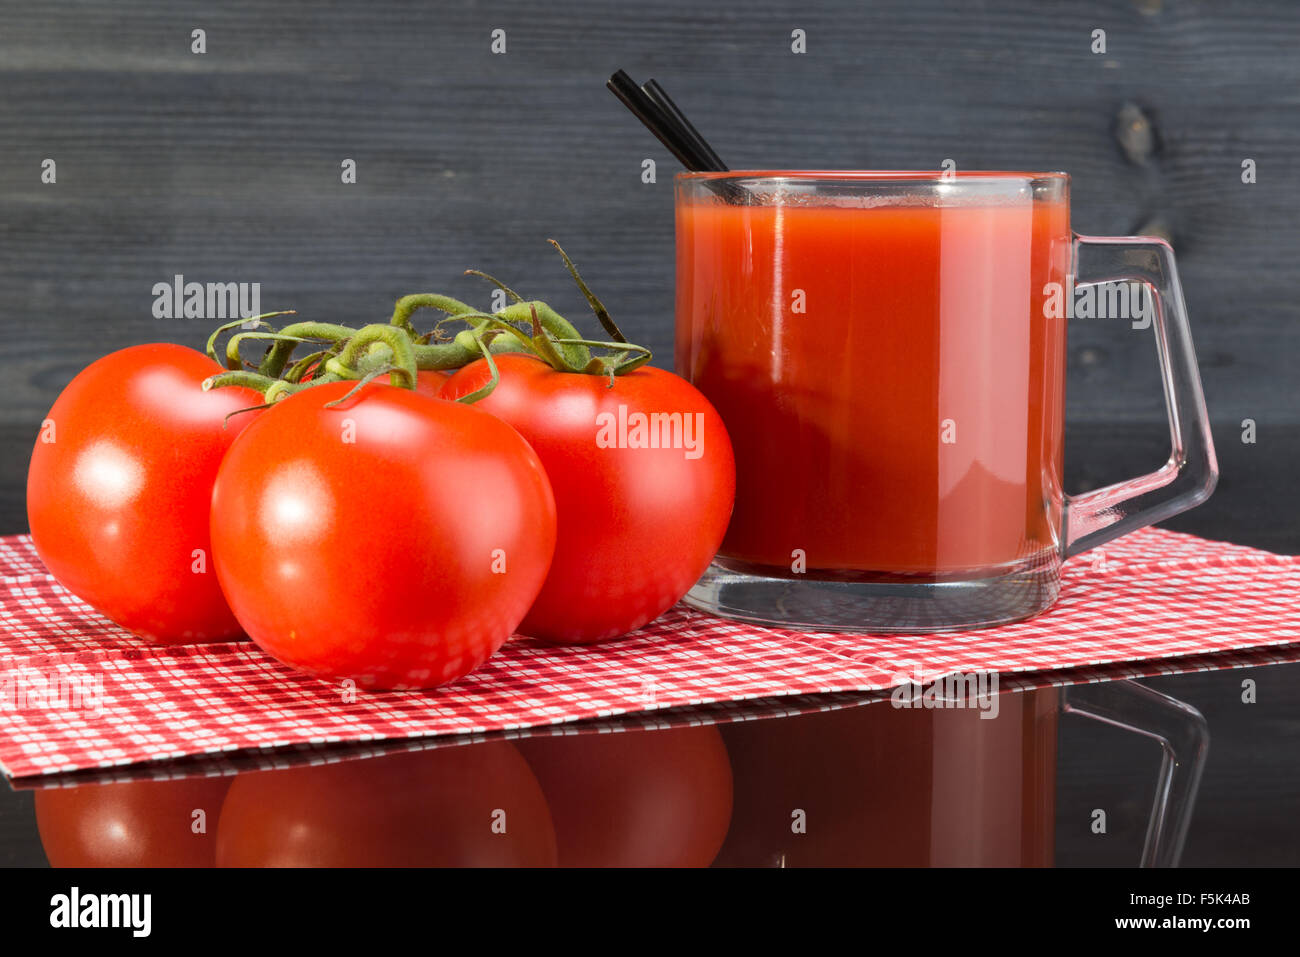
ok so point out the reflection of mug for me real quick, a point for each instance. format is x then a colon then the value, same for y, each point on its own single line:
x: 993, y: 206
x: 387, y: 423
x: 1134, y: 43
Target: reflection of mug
x: 888, y: 353
x: 951, y: 784
x: 878, y: 786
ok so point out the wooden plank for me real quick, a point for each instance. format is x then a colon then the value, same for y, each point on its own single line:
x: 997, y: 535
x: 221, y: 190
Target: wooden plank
x: 226, y: 165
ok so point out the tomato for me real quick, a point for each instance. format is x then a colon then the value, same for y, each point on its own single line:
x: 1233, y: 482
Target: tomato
x: 474, y: 805
x: 637, y: 525
x: 635, y: 798
x: 430, y: 381
x: 119, y: 487
x: 132, y: 824
x: 395, y: 539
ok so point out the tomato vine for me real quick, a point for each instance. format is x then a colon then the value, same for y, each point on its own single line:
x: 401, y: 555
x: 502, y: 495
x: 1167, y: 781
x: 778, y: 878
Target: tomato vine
x: 399, y: 350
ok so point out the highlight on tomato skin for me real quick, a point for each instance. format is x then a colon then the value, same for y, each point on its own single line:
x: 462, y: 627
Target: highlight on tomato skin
x: 470, y: 805
x: 132, y: 823
x: 643, y: 798
x: 119, y: 486
x: 393, y: 539
x: 640, y: 515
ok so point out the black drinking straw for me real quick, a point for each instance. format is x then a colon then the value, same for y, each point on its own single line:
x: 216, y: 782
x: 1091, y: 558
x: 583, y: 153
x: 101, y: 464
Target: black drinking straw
x: 656, y: 110
x: 660, y: 96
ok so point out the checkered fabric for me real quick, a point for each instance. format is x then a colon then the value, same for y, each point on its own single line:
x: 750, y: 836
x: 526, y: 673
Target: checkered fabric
x: 1154, y: 602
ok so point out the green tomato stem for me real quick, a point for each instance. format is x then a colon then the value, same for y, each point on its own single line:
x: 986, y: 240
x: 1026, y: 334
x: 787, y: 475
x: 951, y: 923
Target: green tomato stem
x: 373, y: 347
x: 597, y: 307
x: 426, y: 300
x: 575, y: 357
x: 277, y: 357
x: 494, y: 374
x: 514, y: 296
x: 244, y: 378
x: 257, y: 323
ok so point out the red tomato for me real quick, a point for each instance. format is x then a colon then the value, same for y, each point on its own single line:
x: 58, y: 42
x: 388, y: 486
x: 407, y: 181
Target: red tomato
x: 475, y: 805
x: 637, y: 525
x: 635, y: 798
x: 119, y: 488
x: 430, y: 381
x: 133, y: 824
x: 395, y: 539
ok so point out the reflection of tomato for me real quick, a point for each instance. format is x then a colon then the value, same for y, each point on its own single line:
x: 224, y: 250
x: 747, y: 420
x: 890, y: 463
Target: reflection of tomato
x: 637, y: 524
x: 635, y: 798
x: 394, y: 539
x: 119, y: 487
x: 133, y: 824
x: 475, y: 805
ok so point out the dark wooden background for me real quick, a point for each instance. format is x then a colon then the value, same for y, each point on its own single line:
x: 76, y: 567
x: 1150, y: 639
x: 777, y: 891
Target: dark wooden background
x: 225, y: 167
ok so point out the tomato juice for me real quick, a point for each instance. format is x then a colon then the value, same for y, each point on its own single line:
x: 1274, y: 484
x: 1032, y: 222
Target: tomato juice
x: 891, y: 385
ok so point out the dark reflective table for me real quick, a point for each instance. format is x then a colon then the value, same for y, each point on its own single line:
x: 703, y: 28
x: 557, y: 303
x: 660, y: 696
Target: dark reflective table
x: 1109, y: 773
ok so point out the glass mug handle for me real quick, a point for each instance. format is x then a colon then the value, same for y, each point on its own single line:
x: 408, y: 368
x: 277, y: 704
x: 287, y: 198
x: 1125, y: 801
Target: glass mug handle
x: 1189, y: 476
x: 1184, y: 738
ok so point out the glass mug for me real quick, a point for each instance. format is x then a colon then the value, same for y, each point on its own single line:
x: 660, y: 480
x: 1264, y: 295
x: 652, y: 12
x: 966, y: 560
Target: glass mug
x: 882, y: 349
x: 942, y: 786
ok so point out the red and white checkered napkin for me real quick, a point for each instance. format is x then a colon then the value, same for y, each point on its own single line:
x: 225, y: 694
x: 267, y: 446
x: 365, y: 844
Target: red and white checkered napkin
x: 1151, y: 595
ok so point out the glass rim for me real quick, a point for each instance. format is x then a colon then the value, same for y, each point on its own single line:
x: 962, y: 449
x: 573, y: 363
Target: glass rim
x: 873, y: 176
